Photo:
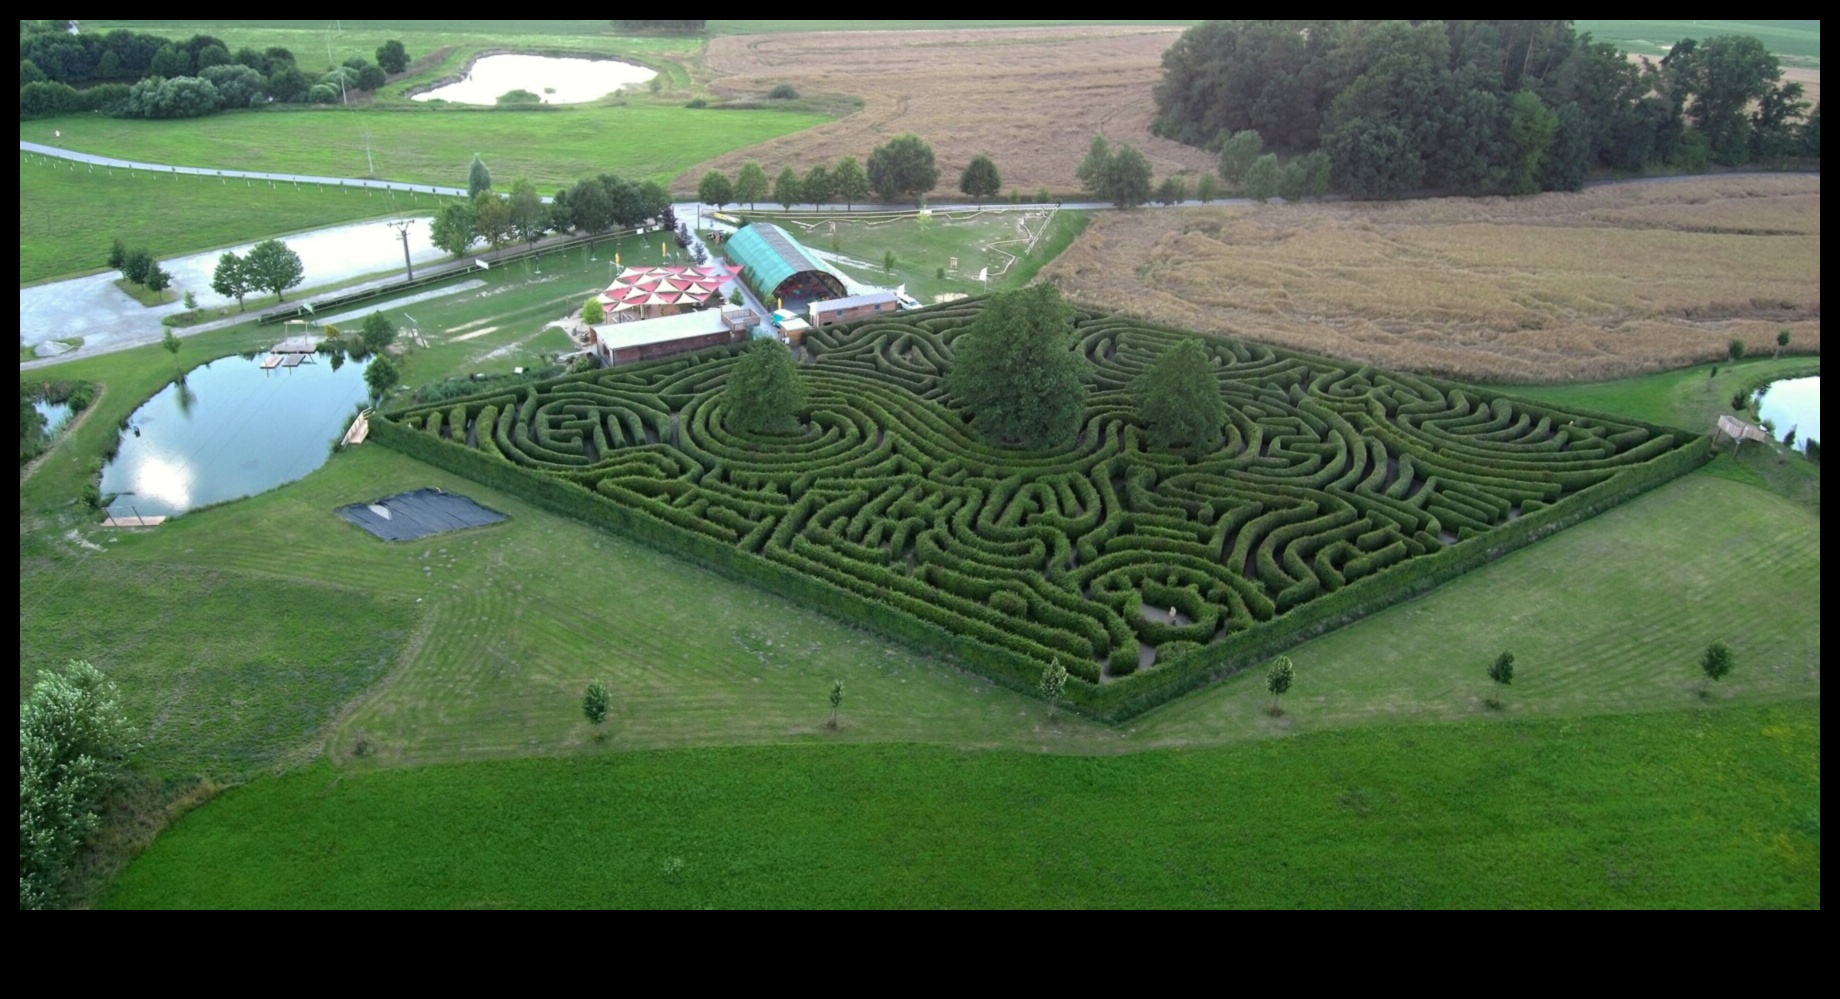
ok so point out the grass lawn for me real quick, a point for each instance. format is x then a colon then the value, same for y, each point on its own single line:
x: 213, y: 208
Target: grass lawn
x: 1800, y: 40
x: 170, y: 217
x: 552, y: 147
x: 1687, y: 808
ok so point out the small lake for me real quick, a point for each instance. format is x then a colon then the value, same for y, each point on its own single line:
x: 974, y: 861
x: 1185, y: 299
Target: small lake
x: 1793, y: 403
x: 230, y: 429
x: 555, y: 80
x: 56, y: 414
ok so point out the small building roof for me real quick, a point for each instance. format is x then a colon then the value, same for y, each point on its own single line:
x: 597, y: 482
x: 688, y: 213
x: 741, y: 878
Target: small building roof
x: 642, y: 332
x: 855, y: 301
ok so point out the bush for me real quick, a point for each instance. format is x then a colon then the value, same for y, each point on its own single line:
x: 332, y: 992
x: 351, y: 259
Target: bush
x: 783, y: 92
x: 74, y: 743
x: 696, y: 103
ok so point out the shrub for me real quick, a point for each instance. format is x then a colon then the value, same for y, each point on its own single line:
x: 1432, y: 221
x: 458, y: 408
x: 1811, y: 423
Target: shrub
x: 783, y: 92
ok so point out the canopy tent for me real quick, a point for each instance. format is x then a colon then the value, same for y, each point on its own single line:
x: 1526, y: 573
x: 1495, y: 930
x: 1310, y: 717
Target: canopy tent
x: 662, y: 290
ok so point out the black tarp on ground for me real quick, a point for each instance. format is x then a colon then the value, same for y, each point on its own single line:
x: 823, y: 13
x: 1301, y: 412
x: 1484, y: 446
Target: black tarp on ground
x: 407, y: 516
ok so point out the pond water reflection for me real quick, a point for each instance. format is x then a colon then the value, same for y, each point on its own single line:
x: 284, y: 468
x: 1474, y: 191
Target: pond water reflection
x: 230, y: 429
x: 554, y: 80
x: 1793, y: 403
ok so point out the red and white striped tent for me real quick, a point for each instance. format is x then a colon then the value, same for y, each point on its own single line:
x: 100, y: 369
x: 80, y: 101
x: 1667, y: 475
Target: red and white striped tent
x: 661, y: 291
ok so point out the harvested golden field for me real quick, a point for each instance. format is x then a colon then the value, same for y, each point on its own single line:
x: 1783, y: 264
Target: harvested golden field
x: 1605, y: 283
x: 1030, y: 98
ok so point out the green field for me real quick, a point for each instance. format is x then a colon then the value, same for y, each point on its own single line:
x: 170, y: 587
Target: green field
x: 170, y: 216
x: 1799, y: 42
x: 1711, y: 808
x: 432, y: 146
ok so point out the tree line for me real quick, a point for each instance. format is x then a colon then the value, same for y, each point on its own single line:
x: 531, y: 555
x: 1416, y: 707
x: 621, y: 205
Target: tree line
x: 135, y: 75
x: 900, y: 170
x: 591, y: 205
x: 1477, y: 107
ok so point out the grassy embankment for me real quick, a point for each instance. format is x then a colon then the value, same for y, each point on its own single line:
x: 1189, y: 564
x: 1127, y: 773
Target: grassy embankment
x: 1697, y: 807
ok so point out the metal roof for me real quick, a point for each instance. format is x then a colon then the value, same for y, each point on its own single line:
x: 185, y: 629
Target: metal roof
x: 768, y: 256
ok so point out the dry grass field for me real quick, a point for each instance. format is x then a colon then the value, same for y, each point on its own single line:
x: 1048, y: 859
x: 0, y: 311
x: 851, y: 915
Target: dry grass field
x: 1609, y: 282
x: 1031, y: 98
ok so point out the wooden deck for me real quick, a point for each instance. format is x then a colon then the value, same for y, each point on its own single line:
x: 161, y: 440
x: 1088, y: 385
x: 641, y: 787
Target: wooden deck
x: 133, y: 521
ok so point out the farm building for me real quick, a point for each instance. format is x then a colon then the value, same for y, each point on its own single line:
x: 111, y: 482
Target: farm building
x: 781, y: 271
x: 839, y: 310
x: 644, y: 339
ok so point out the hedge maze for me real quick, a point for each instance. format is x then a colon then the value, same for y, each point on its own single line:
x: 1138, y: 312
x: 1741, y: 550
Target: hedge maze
x: 1335, y: 489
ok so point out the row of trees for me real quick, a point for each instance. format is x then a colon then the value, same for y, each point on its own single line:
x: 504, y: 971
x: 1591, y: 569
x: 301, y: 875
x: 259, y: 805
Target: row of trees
x: 139, y: 266
x: 591, y: 205
x: 178, y: 80
x: 1477, y: 106
x: 901, y: 169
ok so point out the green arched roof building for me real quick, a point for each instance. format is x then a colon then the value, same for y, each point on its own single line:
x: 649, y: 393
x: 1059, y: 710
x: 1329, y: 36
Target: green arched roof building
x: 775, y: 265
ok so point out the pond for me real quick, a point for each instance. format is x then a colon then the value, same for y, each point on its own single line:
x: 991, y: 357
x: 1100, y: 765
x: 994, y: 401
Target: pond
x: 553, y: 80
x: 1793, y: 403
x: 230, y: 429
x: 56, y: 414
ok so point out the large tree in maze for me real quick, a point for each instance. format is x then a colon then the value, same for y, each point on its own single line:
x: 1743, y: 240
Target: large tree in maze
x: 765, y: 391
x: 1178, y: 399
x: 1015, y: 370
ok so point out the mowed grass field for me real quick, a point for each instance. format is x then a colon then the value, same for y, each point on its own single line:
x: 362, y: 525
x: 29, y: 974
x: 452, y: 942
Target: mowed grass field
x: 1688, y: 808
x: 170, y: 216
x: 1610, y: 282
x: 1798, y: 42
x: 552, y: 147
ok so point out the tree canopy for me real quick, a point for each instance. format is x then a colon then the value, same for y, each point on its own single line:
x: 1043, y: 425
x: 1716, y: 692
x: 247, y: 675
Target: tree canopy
x: 1017, y: 372
x: 849, y: 182
x: 74, y: 742
x: 980, y: 181
x: 787, y: 189
x: 765, y: 391
x: 902, y: 168
x: 1178, y: 398
x: 1119, y: 174
x: 478, y: 178
x: 392, y: 57
x: 750, y: 183
x: 714, y: 189
x: 1472, y: 106
x: 273, y: 267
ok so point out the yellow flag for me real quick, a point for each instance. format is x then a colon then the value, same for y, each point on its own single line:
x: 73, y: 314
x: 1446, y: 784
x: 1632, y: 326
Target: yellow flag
x: 616, y: 260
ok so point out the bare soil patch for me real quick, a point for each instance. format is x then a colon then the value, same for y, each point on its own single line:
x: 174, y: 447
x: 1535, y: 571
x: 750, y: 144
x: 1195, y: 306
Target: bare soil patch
x: 1606, y: 283
x: 1030, y: 98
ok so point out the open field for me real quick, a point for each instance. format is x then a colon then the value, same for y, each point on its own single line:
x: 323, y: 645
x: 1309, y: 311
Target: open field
x: 1796, y: 42
x: 169, y: 216
x: 552, y: 147
x: 1034, y: 110
x: 1610, y: 282
x: 1691, y: 808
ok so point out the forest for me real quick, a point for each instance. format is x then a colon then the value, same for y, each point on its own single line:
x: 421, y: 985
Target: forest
x: 1479, y: 107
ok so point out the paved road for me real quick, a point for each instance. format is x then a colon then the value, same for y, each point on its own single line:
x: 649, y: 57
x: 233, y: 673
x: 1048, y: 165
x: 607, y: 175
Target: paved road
x: 292, y: 178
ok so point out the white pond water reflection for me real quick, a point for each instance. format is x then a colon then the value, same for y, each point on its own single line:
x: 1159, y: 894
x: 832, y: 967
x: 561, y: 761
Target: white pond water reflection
x: 1796, y: 403
x: 555, y: 80
x: 230, y: 429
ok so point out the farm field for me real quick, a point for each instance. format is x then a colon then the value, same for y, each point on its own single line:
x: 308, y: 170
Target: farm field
x: 169, y: 215
x: 1715, y: 807
x: 1607, y: 283
x: 1034, y: 110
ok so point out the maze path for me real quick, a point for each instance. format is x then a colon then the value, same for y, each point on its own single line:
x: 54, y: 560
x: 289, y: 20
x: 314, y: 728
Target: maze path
x: 1325, y: 473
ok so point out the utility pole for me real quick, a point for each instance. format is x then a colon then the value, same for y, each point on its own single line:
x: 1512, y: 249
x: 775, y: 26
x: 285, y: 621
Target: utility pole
x: 402, y: 230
